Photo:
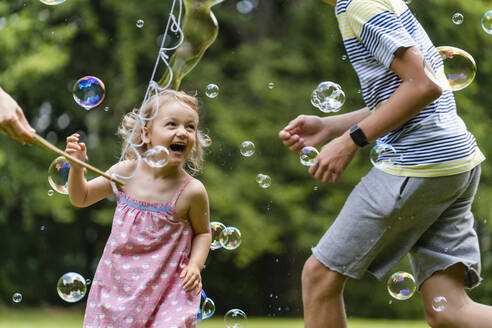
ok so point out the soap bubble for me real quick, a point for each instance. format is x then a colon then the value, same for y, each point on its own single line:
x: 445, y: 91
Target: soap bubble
x: 17, y: 297
x: 457, y: 71
x: 487, y: 22
x: 401, y: 285
x: 247, y: 148
x: 271, y: 85
x: 235, y: 318
x: 207, y: 307
x: 308, y: 156
x: 328, y: 97
x: 156, y: 157
x: 52, y: 2
x: 140, y: 23
x: 58, y: 175
x: 439, y: 303
x: 230, y: 238
x: 383, y: 155
x: 71, y: 287
x: 89, y: 92
x: 212, y: 90
x: 263, y: 180
x: 216, y: 228
x: 50, y: 192
x: 457, y: 18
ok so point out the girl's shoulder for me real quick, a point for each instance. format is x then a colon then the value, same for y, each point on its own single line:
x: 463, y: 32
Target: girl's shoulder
x: 194, y: 190
x: 124, y: 168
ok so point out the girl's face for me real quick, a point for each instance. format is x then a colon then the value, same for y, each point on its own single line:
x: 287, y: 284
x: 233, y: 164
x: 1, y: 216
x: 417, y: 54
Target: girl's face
x: 175, y: 127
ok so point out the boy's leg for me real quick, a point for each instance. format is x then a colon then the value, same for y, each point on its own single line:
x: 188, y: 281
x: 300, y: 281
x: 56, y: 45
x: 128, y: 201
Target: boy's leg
x: 322, y: 296
x: 460, y: 311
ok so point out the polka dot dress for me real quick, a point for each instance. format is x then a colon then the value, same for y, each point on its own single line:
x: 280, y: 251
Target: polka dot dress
x: 137, y: 282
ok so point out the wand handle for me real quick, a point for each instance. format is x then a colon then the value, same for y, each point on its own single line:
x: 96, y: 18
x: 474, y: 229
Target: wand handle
x: 46, y: 144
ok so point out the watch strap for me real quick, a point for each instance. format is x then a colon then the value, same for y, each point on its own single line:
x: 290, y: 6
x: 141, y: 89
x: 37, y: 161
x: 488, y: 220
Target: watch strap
x: 358, y: 136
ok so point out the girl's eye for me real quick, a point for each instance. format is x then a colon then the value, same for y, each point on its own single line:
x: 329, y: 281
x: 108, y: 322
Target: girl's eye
x: 191, y: 126
x: 170, y: 124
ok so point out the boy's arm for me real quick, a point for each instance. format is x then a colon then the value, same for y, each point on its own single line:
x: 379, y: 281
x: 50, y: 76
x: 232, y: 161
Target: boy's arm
x: 414, y: 94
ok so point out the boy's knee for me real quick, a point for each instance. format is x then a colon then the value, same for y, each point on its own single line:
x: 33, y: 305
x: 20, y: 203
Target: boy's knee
x: 318, y: 278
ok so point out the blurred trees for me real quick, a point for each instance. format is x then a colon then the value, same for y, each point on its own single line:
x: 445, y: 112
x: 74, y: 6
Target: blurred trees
x: 293, y: 44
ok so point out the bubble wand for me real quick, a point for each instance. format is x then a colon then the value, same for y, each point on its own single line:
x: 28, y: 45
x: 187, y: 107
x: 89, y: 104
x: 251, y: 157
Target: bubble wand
x: 40, y: 141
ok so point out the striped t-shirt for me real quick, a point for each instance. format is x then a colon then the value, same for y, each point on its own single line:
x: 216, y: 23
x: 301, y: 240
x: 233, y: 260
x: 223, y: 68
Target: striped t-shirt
x: 433, y: 143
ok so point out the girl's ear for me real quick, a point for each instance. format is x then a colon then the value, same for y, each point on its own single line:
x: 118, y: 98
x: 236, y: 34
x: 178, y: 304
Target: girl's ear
x: 144, y: 135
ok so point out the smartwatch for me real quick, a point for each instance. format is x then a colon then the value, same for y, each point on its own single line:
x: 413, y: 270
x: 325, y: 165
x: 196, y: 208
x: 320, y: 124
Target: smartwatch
x: 358, y: 136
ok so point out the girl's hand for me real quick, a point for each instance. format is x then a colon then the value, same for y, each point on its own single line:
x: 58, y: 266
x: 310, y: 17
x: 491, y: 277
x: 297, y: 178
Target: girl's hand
x: 191, y: 278
x: 76, y: 148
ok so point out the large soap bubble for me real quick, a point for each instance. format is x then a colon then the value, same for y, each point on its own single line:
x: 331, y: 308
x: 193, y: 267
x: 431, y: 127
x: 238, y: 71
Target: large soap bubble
x: 156, y: 157
x: 458, y: 70
x: 487, y: 22
x: 235, y: 318
x: 328, y: 97
x: 401, y: 285
x: 89, y: 92
x: 58, y: 175
x: 71, y: 287
x: 216, y: 228
x: 207, y: 307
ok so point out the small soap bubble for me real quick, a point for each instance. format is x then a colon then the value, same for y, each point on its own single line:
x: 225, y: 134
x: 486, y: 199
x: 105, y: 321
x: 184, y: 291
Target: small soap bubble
x: 235, y: 318
x: 212, y: 90
x: 207, y: 307
x: 344, y: 57
x: 271, y: 85
x: 244, y: 6
x: 328, y: 97
x: 247, y: 148
x: 140, y: 23
x: 487, y: 22
x: 50, y: 192
x: 401, y: 285
x: 156, y: 157
x: 230, y: 238
x: 17, y: 297
x: 383, y: 155
x: 43, y: 228
x: 408, y: 2
x: 308, y: 156
x: 451, y: 68
x: 89, y: 92
x: 58, y: 175
x: 107, y: 109
x: 457, y: 18
x: 87, y: 282
x: 217, y: 228
x: 263, y: 180
x: 439, y: 303
x: 52, y: 2
x: 71, y: 287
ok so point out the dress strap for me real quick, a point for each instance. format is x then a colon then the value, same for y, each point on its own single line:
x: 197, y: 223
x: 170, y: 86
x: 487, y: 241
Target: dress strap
x: 181, y: 188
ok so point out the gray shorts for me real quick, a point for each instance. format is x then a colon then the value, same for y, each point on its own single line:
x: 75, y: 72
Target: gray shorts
x: 387, y: 216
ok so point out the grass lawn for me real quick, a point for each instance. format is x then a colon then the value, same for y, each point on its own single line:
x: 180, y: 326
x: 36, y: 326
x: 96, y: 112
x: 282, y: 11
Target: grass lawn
x: 53, y: 318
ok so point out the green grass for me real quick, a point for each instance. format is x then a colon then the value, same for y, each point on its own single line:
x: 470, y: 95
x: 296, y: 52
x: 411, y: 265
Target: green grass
x: 54, y: 318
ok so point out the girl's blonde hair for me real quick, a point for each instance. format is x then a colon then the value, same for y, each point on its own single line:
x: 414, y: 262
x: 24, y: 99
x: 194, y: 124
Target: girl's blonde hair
x: 139, y: 118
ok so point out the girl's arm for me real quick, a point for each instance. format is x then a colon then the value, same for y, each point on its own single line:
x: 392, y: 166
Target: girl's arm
x: 81, y: 192
x: 199, y: 215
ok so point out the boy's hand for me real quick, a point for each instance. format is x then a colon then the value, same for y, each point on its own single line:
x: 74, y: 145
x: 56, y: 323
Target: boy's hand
x: 191, y: 278
x: 305, y: 130
x: 76, y: 148
x: 333, y: 159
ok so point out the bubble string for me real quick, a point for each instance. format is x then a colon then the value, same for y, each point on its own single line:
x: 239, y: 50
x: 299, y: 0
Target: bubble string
x: 153, y: 89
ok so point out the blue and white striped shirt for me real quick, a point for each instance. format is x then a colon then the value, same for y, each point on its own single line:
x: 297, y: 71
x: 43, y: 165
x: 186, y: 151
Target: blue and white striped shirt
x: 436, y: 141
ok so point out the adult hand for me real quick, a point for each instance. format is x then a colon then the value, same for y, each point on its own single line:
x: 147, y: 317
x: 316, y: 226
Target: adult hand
x: 333, y: 159
x: 305, y: 130
x: 12, y: 120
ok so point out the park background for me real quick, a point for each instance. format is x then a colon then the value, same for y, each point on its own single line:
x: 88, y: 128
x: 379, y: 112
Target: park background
x: 294, y: 44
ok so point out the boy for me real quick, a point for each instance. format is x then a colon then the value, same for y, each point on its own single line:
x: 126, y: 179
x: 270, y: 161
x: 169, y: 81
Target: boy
x: 422, y: 202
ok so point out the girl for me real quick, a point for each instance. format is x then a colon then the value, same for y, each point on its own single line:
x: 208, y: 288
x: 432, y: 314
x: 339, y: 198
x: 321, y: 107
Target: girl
x: 149, y: 273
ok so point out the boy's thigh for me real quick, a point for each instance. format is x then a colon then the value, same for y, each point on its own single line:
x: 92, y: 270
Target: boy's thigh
x: 383, y: 217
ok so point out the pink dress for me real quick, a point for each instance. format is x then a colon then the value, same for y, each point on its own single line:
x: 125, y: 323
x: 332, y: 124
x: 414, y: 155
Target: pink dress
x: 137, y: 282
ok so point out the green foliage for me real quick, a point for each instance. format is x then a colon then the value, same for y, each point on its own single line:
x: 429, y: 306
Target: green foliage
x: 294, y: 44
